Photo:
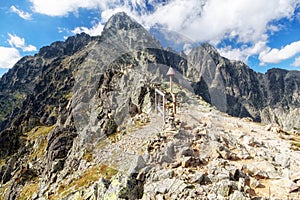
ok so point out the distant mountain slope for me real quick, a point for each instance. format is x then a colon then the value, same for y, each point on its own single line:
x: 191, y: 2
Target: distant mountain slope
x: 236, y: 89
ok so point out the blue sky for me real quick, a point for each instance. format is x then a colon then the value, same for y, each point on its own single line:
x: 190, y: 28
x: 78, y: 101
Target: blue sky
x: 261, y: 33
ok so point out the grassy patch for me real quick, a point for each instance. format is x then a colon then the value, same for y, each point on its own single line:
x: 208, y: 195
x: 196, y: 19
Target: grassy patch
x: 90, y: 176
x: 115, y: 137
x: 102, y: 143
x: 39, y: 135
x: 39, y: 131
x: 69, y: 95
x: 108, y: 172
x: 3, y: 190
x: 88, y: 156
x: 28, y: 190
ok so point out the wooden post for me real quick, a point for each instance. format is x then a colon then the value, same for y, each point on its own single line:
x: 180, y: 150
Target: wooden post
x: 174, y: 102
x: 171, y: 87
x: 155, y: 103
x: 171, y: 73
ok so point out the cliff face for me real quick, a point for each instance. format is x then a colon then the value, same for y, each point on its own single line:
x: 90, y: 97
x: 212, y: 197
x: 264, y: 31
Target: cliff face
x: 65, y: 112
x: 234, y: 88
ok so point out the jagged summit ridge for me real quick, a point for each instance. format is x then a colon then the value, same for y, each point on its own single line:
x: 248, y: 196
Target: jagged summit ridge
x: 68, y: 47
x: 121, y: 21
x: 125, y: 34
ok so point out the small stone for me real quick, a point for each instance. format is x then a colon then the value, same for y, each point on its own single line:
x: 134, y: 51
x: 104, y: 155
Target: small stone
x: 137, y: 163
x: 254, y: 183
x: 237, y: 195
x: 243, y: 154
x: 212, y: 196
x: 295, y: 177
x: 249, y: 140
x: 159, y: 197
x: 165, y: 174
x: 224, y: 189
x: 186, y: 161
x: 286, y: 173
x: 241, y: 184
x: 223, y: 176
x: 198, y: 178
x: 174, y: 165
x: 186, y: 152
x: 262, y: 169
x: 289, y: 185
x: 268, y: 127
x: 275, y: 128
x: 283, y: 160
x: 162, y: 189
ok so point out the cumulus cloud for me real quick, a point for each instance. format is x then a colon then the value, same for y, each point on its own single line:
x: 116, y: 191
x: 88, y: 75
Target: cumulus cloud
x: 18, y: 42
x: 244, y: 52
x: 9, y: 56
x: 201, y: 20
x: 63, y: 7
x: 277, y: 55
x: 95, y: 30
x: 296, y: 63
x: 21, y: 13
x: 250, y: 22
x: 208, y: 20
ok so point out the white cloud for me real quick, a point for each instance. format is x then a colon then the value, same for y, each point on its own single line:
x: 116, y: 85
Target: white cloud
x: 29, y: 48
x: 244, y: 52
x: 9, y: 56
x: 248, y: 21
x: 95, y: 30
x: 17, y: 42
x: 276, y: 56
x: 21, y: 13
x: 296, y: 63
x: 201, y: 20
x: 63, y: 7
x: 208, y: 20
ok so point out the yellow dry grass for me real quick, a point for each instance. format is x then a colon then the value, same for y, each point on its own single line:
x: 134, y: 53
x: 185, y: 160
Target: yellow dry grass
x: 27, y: 191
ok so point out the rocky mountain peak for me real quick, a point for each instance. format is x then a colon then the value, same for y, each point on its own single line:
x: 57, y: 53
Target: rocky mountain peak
x: 210, y: 49
x: 121, y: 21
x: 122, y: 35
x: 121, y: 25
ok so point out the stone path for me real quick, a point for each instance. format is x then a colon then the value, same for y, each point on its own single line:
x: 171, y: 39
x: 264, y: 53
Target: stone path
x: 120, y: 153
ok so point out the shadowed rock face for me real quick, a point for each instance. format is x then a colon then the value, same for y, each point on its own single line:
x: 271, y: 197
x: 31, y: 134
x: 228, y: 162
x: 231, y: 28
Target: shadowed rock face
x: 236, y: 89
x: 72, y: 94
